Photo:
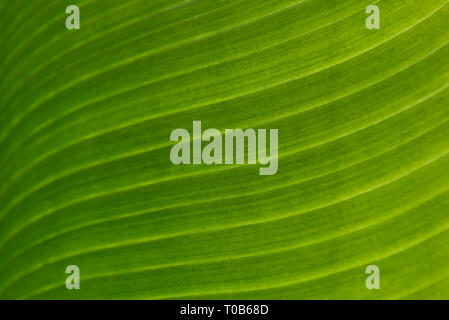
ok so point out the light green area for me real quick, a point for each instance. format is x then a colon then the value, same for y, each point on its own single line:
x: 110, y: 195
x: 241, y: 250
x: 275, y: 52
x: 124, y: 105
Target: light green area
x: 86, y: 178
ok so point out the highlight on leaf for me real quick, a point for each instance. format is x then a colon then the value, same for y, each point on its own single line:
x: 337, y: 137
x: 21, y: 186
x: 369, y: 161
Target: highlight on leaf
x: 92, y: 207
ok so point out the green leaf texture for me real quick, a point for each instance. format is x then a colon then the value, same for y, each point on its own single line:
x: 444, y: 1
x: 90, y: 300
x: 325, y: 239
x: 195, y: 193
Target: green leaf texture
x: 85, y: 171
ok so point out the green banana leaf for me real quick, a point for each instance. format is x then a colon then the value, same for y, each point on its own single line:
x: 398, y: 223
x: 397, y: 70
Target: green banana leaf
x: 363, y: 164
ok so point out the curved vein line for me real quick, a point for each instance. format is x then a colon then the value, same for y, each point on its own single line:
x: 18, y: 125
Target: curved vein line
x: 399, y: 212
x: 297, y: 182
x: 77, y: 46
x: 169, y: 76
x: 100, y: 35
x: 306, y: 279
x: 143, y: 35
x: 9, y: 17
x: 129, y: 124
x: 37, y: 31
x: 327, y: 274
x: 364, y: 160
x: 11, y: 91
x: 35, y: 105
x: 422, y: 100
x: 47, y: 44
x: 13, y: 26
x: 39, y: 186
x: 420, y: 288
x: 300, y: 212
